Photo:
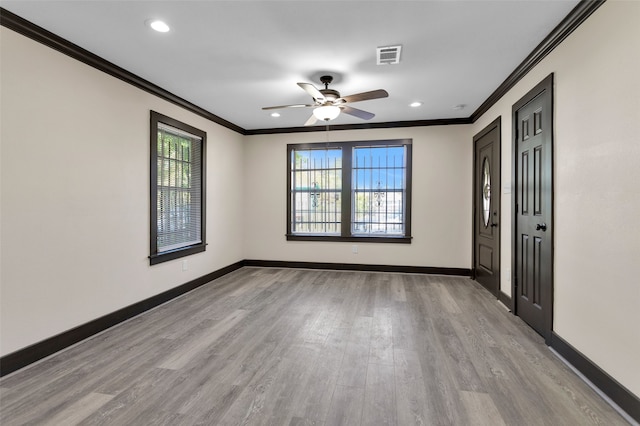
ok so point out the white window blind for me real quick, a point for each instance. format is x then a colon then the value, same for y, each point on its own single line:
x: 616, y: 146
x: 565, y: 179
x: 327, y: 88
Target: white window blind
x: 179, y: 189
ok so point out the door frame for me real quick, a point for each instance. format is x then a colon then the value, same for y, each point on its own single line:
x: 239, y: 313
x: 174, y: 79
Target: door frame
x: 545, y: 85
x: 497, y: 123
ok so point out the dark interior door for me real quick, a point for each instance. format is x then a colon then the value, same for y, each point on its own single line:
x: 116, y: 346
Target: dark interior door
x: 533, y: 284
x: 486, y: 222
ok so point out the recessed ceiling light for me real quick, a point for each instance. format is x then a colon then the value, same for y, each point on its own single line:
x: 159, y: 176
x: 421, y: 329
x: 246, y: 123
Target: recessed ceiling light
x: 159, y: 26
x: 275, y: 114
x: 415, y: 104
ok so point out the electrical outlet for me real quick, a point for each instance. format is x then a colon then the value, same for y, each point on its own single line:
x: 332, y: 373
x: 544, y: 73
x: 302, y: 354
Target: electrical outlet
x: 354, y: 249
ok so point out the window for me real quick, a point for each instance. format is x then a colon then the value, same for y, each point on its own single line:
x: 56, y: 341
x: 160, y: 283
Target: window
x: 350, y: 191
x: 177, y: 189
x: 316, y: 191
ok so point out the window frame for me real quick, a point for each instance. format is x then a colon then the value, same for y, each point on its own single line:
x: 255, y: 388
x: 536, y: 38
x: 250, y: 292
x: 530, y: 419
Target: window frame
x: 155, y: 257
x: 346, y: 192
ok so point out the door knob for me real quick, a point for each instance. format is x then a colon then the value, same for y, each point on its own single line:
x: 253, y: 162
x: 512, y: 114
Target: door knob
x: 541, y: 227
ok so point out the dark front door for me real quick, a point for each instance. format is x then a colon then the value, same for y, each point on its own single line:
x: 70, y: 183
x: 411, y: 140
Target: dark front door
x: 486, y: 222
x: 533, y: 209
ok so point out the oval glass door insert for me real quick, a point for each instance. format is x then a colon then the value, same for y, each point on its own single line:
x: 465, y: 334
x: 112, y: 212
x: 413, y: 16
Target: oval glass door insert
x: 486, y: 191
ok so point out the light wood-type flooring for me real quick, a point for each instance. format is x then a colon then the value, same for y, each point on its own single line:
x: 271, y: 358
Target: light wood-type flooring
x: 305, y: 347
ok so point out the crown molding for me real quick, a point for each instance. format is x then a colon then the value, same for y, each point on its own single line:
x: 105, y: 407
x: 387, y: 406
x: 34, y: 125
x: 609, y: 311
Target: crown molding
x: 39, y: 34
x: 577, y: 16
x: 384, y: 125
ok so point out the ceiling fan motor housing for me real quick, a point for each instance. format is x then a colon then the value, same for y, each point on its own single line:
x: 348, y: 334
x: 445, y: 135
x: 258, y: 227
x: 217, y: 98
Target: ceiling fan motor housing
x: 330, y: 94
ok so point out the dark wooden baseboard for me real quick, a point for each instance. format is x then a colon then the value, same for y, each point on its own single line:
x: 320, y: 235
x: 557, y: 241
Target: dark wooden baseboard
x: 360, y: 267
x: 607, y: 384
x: 506, y: 300
x: 23, y: 357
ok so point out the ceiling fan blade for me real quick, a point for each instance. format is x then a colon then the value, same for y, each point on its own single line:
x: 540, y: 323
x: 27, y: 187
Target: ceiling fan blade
x: 311, y: 121
x: 365, y: 96
x: 357, y: 112
x: 311, y: 89
x: 288, y: 106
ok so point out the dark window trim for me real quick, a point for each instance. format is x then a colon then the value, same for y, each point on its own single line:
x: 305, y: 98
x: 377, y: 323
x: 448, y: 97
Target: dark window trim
x: 346, y: 236
x: 353, y: 238
x: 155, y: 257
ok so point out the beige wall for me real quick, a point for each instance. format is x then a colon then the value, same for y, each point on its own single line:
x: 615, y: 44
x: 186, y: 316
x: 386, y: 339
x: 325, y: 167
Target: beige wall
x: 74, y: 198
x: 75, y: 195
x: 597, y: 187
x: 441, y: 201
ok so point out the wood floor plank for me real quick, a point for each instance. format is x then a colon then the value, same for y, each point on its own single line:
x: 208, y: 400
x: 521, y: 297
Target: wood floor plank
x: 380, y: 396
x: 397, y: 288
x: 474, y: 341
x: 210, y: 401
x: 441, y: 387
x: 384, y: 297
x: 113, y: 378
x: 147, y: 393
x: 404, y: 336
x: 346, y: 407
x: 203, y: 340
x: 449, y: 304
x: 324, y: 376
x: 480, y: 409
x: 79, y: 410
x: 50, y: 399
x: 367, y: 295
x: 515, y: 410
x: 381, y: 343
x: 310, y: 347
x: 412, y: 405
x: 353, y: 370
x: 460, y: 366
x: 352, y: 285
x: 240, y: 384
x: 264, y: 380
x: 301, y: 421
x: 252, y: 405
x: 321, y: 324
x: 418, y: 312
x: 292, y: 382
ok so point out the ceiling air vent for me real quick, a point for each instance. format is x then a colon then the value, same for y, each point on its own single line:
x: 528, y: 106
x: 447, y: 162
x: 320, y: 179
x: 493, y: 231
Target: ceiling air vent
x: 388, y: 55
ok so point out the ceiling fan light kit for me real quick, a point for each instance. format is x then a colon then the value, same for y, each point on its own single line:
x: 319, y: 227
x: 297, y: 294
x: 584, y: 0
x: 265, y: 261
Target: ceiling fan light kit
x: 327, y: 112
x: 327, y: 103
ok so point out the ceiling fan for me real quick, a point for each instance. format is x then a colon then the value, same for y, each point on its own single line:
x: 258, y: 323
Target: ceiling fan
x: 328, y: 103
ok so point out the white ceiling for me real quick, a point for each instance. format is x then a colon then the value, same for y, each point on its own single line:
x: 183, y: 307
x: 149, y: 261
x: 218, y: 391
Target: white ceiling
x: 233, y: 57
